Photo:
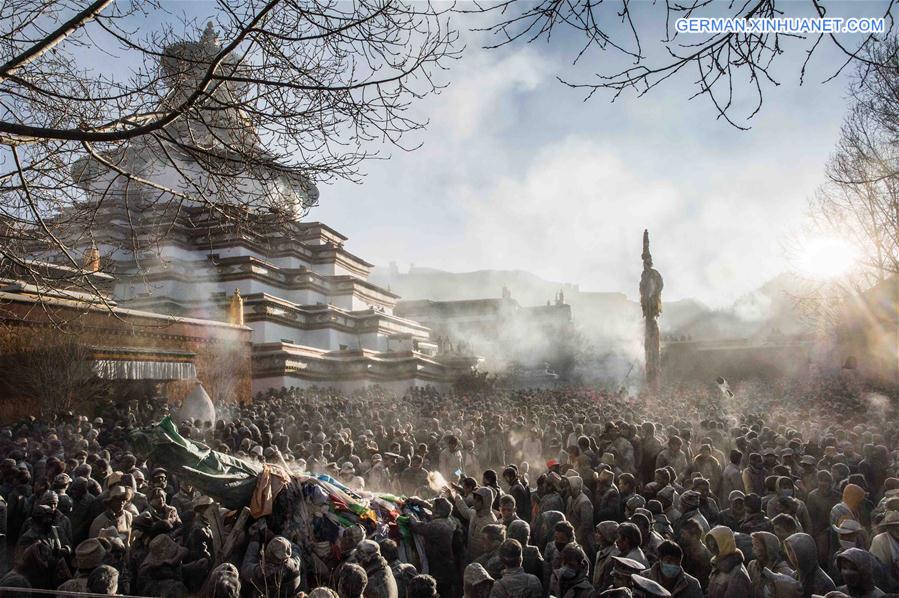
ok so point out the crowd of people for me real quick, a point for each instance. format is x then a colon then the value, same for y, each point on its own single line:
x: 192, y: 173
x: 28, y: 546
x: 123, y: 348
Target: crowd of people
x: 776, y: 491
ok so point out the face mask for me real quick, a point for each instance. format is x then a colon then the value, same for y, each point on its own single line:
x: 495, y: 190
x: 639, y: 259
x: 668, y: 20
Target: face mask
x: 565, y: 573
x: 786, y: 493
x: 846, y: 544
x: 670, y: 570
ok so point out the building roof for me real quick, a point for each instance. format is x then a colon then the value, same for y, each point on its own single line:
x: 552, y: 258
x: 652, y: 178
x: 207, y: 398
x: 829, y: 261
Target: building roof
x: 8, y: 296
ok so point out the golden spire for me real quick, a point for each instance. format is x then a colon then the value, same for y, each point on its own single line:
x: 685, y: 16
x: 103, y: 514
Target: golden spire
x: 235, y: 309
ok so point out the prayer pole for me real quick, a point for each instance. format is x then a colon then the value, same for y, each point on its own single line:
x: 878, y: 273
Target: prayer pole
x: 651, y: 301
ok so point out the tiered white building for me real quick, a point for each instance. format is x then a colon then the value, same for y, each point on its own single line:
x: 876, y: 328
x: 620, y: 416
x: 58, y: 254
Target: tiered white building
x: 316, y: 319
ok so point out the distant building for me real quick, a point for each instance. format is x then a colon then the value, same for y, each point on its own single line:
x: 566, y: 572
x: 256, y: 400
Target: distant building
x: 506, y: 334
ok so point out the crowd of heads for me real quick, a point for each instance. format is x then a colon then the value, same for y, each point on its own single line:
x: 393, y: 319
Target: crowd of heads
x: 775, y: 491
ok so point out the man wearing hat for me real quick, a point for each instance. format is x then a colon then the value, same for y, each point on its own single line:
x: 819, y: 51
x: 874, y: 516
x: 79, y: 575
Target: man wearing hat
x: 160, y: 573
x: 645, y: 587
x: 43, y: 527
x: 476, y: 582
x: 158, y: 518
x: 88, y: 556
x: 885, y: 546
x: 115, y: 515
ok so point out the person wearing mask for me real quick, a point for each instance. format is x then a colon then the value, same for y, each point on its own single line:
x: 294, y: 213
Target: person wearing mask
x: 856, y: 569
x: 786, y: 502
x: 572, y: 574
x: 563, y: 534
x: 668, y: 572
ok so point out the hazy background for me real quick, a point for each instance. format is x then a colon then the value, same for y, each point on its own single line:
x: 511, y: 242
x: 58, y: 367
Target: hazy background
x: 516, y: 172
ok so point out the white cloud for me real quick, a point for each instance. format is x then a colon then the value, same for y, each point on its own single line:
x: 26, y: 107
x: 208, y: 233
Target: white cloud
x: 476, y: 102
x: 517, y: 173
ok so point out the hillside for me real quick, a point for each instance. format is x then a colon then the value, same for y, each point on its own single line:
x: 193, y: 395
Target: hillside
x: 608, y: 314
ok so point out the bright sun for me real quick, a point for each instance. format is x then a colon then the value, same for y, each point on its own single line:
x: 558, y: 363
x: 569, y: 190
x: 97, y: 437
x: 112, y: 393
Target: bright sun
x: 826, y: 258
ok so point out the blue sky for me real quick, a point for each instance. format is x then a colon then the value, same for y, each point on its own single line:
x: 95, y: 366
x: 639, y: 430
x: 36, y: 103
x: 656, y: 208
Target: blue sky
x: 516, y: 171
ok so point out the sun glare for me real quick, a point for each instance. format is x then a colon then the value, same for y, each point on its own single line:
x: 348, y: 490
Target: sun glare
x: 826, y: 258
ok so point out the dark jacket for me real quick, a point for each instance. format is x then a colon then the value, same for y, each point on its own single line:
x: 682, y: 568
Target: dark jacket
x: 515, y: 583
x: 684, y: 586
x: 522, y: 498
x: 865, y: 563
x: 438, y: 537
x: 271, y: 580
x: 805, y: 557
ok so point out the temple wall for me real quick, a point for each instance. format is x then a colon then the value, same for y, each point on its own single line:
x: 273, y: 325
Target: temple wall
x: 222, y: 352
x: 327, y: 339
